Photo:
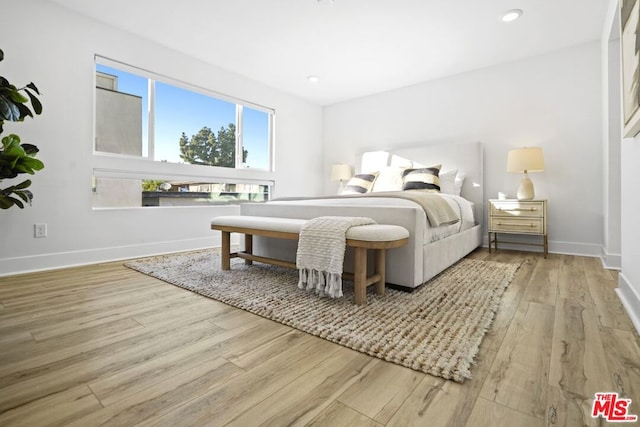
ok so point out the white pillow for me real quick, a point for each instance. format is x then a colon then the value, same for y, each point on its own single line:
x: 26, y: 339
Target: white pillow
x: 389, y: 179
x: 457, y: 188
x: 373, y: 161
x: 401, y: 162
x: 447, y: 182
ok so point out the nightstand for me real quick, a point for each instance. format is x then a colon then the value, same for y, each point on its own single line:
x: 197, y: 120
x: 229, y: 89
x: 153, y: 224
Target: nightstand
x: 513, y: 216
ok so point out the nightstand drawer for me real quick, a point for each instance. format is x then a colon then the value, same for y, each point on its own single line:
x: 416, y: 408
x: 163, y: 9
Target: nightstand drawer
x: 517, y: 208
x: 516, y: 225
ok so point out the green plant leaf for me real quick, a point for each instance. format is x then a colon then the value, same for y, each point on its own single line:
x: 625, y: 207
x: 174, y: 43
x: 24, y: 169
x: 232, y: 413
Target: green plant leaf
x: 15, y: 151
x: 10, y: 140
x: 24, y: 112
x: 21, y: 195
x: 8, y: 172
x: 1, y: 55
x: 24, y: 184
x: 24, y: 195
x: 15, y: 167
x: 16, y: 202
x: 16, y: 96
x: 13, y: 148
x: 22, y: 168
x: 29, y: 194
x: 30, y: 149
x: 5, y: 202
x: 33, y: 88
x: 35, y: 103
x: 33, y: 164
x: 8, y: 109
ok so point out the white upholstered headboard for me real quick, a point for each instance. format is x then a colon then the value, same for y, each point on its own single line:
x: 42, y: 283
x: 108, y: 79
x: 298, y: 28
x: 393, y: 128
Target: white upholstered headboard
x: 465, y: 157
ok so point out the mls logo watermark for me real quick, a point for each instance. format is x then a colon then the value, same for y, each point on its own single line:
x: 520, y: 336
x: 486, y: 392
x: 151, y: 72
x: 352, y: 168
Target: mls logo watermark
x: 612, y: 408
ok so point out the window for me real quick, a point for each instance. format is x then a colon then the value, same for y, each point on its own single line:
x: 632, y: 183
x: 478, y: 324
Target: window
x: 138, y: 114
x: 125, y: 192
x: 144, y: 116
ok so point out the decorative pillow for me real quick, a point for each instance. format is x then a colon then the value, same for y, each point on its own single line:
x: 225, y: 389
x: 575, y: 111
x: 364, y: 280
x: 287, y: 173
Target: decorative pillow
x: 447, y: 181
x: 457, y: 187
x: 425, y: 179
x: 389, y: 179
x: 360, y: 183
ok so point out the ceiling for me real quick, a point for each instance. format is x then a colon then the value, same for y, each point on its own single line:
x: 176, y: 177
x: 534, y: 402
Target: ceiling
x: 355, y: 47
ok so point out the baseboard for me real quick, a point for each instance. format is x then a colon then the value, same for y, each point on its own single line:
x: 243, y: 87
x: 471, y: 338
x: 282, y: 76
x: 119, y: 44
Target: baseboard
x: 58, y: 260
x: 610, y: 261
x: 555, y: 246
x: 630, y: 300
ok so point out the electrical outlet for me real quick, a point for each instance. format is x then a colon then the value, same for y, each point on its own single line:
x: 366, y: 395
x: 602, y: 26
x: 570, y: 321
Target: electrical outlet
x: 40, y: 230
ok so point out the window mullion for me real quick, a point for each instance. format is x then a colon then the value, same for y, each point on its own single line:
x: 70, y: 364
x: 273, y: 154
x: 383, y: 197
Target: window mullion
x: 152, y: 117
x: 270, y: 142
x: 239, y: 149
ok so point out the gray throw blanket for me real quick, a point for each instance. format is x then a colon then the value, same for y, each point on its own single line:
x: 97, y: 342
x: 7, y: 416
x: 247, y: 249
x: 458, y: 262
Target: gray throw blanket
x: 320, y: 255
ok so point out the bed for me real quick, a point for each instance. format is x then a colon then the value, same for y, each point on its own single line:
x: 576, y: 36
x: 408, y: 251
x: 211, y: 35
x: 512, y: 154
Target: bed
x: 430, y: 249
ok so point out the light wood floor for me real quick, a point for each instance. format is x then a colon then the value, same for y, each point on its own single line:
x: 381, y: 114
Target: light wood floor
x: 104, y: 345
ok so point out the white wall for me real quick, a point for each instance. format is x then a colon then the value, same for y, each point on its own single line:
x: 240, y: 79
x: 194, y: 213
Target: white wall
x: 611, y: 137
x: 55, y: 49
x: 552, y: 101
x: 611, y: 248
x: 629, y: 278
x: 626, y: 167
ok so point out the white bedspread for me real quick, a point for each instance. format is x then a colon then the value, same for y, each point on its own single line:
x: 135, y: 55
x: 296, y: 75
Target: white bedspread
x: 431, y: 234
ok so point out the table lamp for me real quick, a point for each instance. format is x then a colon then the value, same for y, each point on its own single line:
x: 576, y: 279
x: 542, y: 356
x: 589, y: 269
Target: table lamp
x: 525, y: 160
x: 340, y: 172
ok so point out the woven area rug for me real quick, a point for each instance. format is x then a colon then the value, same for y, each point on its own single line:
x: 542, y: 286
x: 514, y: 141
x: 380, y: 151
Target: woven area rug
x: 436, y: 329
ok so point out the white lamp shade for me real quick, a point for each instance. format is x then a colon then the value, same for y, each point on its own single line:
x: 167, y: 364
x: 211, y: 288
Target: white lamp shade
x: 523, y: 160
x: 340, y: 172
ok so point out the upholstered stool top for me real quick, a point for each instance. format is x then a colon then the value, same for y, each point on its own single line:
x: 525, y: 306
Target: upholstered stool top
x: 370, y: 233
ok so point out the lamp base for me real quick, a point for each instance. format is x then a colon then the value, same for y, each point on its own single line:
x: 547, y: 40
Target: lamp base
x: 525, y: 190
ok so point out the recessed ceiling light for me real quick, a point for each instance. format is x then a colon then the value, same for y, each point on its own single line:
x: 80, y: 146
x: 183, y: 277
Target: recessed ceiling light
x: 511, y: 15
x: 313, y: 79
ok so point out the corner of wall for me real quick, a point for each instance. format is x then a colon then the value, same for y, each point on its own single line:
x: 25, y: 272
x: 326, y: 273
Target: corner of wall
x: 610, y: 261
x: 630, y: 300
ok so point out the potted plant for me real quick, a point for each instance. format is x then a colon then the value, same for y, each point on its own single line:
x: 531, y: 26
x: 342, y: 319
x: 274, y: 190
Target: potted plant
x: 17, y: 158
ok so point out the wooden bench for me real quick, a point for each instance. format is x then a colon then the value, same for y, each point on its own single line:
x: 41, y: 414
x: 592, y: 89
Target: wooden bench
x: 378, y: 237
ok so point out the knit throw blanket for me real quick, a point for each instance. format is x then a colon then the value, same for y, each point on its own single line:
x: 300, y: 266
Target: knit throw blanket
x: 320, y: 255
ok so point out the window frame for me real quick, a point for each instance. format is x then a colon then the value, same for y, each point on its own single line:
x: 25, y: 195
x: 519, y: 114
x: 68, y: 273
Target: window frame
x: 130, y: 166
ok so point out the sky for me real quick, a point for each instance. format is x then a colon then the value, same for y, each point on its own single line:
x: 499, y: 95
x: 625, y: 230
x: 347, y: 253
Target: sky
x: 179, y: 110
